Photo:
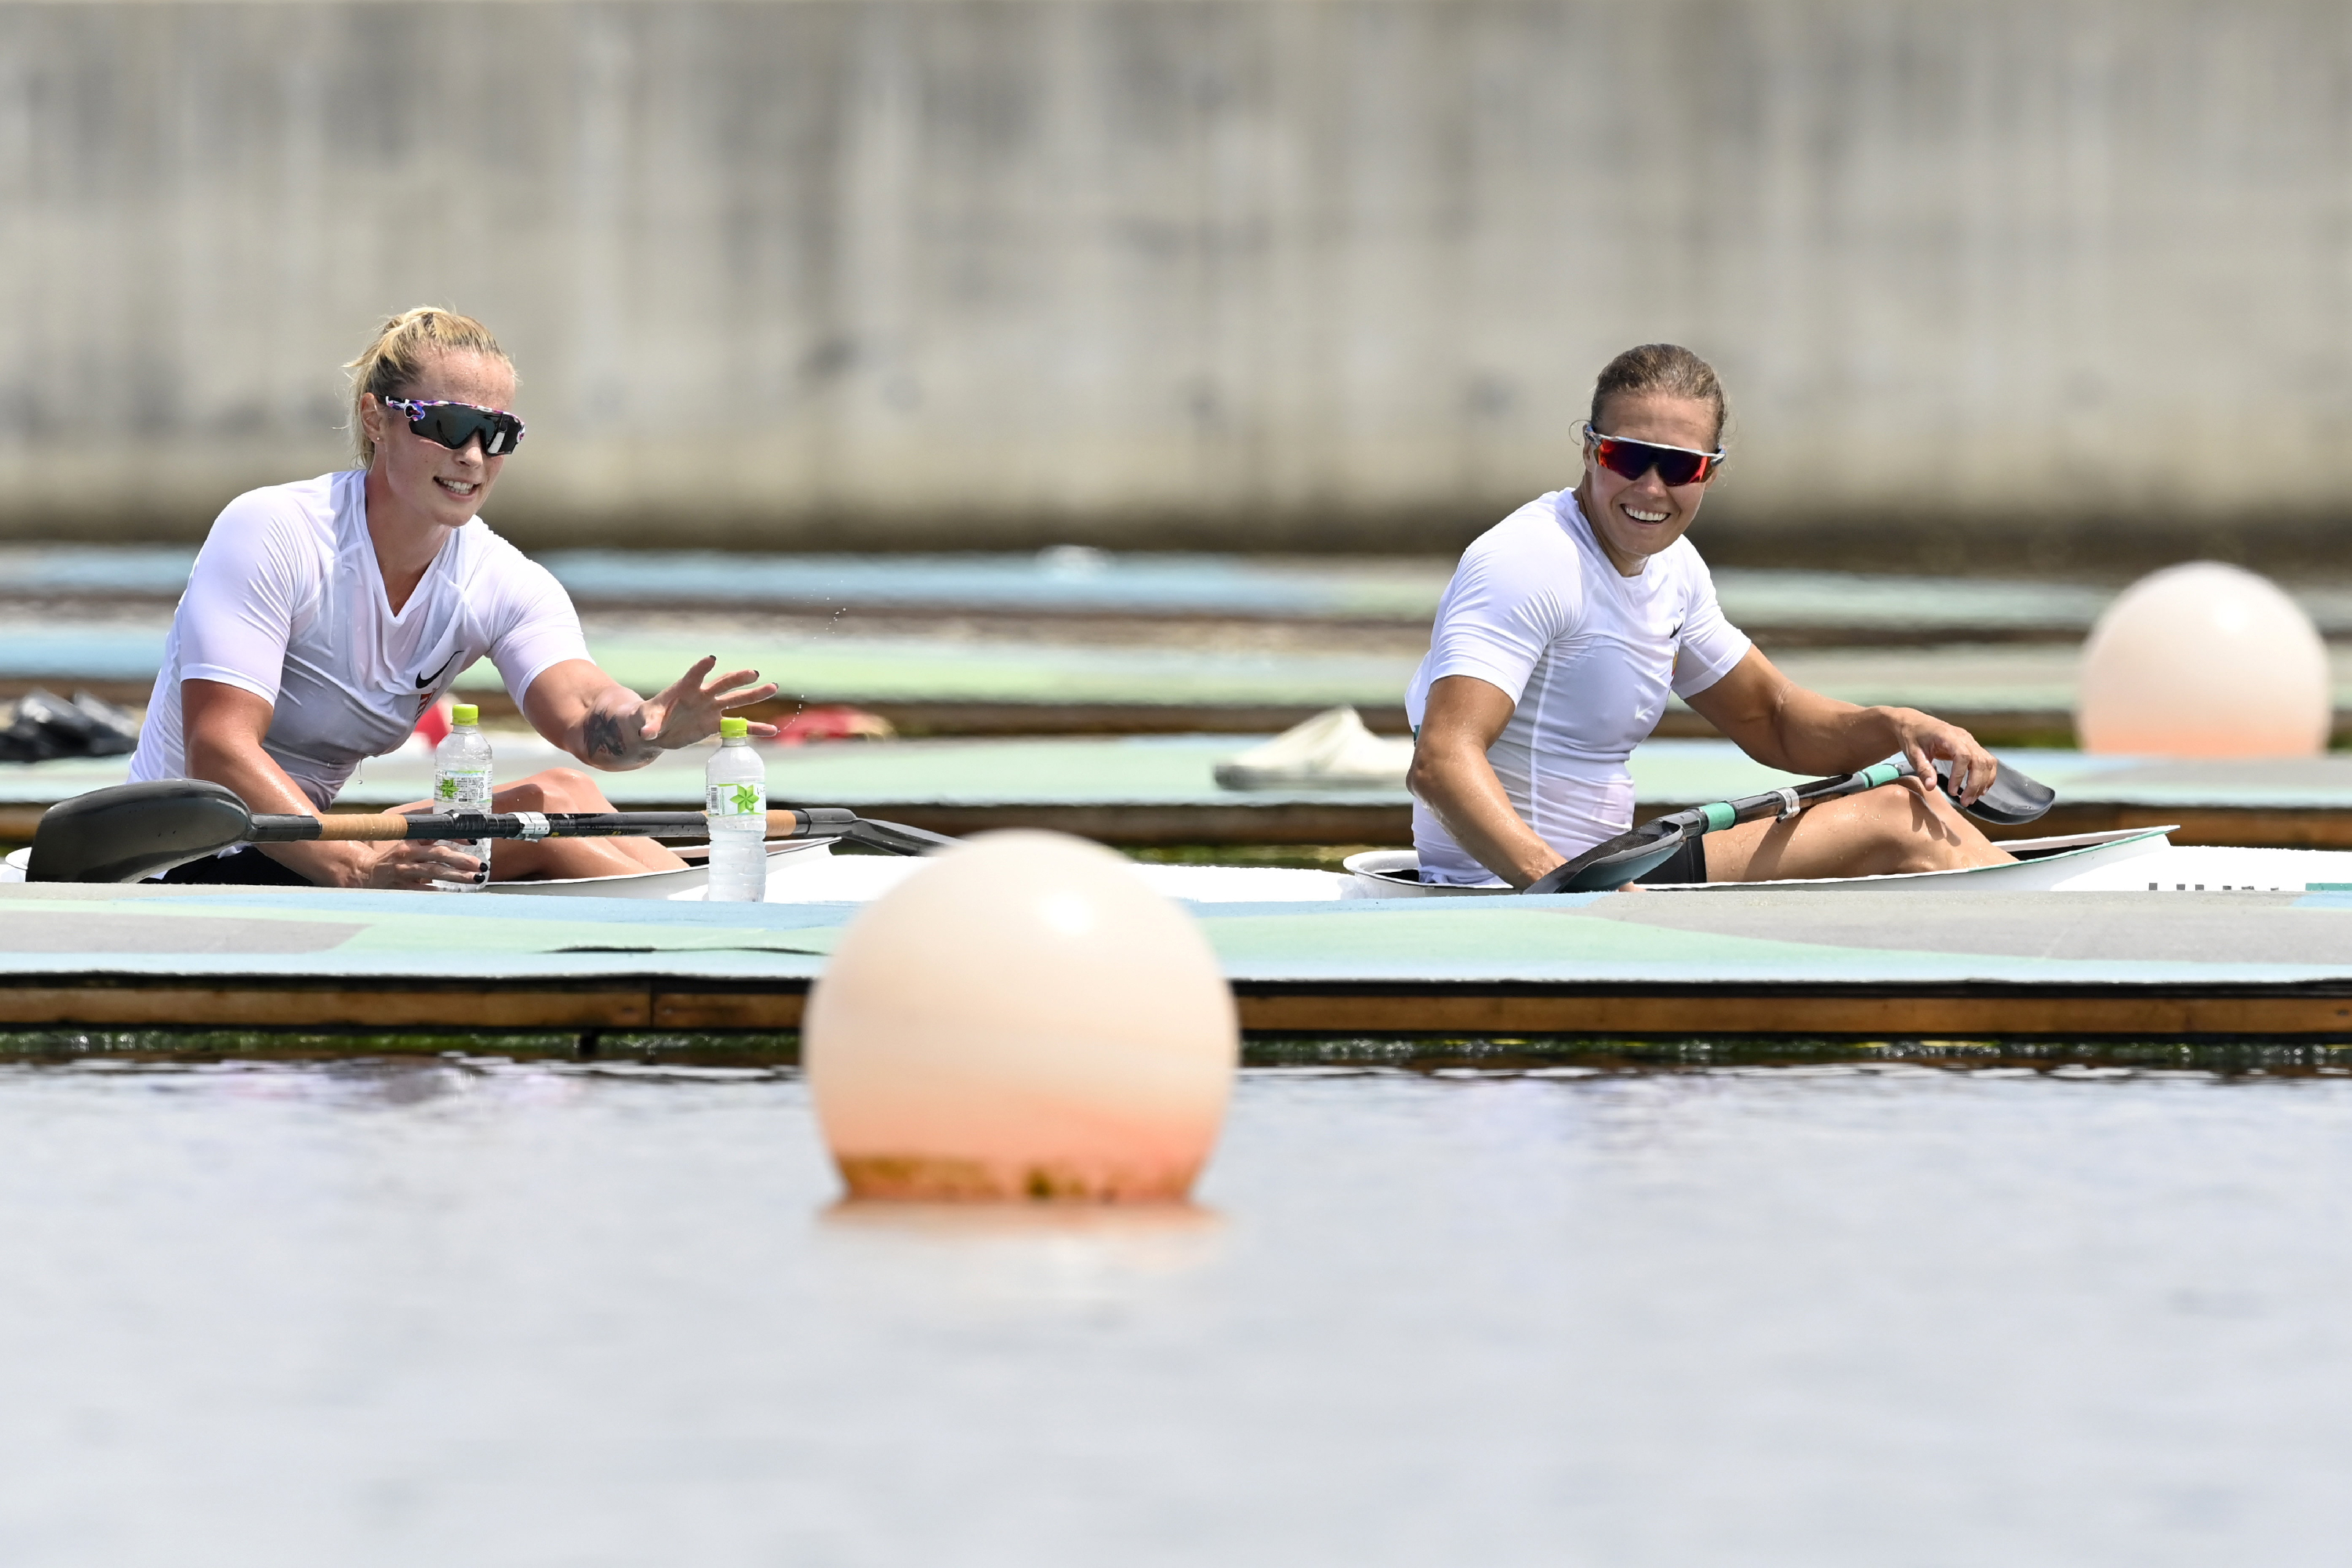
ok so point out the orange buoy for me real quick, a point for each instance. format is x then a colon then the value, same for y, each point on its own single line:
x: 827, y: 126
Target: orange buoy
x: 1022, y: 1018
x: 2204, y: 660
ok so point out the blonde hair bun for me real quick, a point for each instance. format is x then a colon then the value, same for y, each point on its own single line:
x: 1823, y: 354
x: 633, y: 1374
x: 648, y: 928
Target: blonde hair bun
x: 393, y: 360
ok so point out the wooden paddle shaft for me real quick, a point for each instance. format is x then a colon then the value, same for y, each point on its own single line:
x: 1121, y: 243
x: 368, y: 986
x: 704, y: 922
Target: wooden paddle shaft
x: 379, y: 828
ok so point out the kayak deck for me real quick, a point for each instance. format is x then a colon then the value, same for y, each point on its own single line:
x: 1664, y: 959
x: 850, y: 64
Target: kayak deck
x: 810, y: 871
x: 2125, y: 861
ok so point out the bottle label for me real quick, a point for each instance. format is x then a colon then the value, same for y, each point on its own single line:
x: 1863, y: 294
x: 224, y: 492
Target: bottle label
x: 462, y: 789
x: 735, y: 800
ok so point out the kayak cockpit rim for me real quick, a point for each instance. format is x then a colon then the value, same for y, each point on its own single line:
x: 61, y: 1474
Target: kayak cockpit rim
x: 1395, y: 873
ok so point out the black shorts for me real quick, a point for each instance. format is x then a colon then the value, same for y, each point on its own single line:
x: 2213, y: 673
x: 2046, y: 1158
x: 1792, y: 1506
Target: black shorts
x: 1687, y: 863
x: 248, y: 868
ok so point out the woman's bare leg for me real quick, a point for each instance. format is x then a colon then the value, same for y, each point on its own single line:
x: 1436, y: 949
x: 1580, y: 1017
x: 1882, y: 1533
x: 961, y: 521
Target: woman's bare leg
x: 1900, y: 826
x: 568, y: 789
x: 564, y: 789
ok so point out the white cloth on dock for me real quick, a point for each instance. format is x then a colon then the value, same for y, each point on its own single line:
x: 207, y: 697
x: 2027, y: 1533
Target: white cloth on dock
x: 1331, y: 751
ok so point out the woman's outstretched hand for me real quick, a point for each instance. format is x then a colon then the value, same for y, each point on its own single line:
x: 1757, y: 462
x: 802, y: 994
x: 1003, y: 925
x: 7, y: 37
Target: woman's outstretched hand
x: 621, y: 731
x: 690, y: 710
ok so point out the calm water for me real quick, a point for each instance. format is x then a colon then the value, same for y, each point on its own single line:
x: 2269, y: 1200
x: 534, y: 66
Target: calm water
x: 537, y: 1315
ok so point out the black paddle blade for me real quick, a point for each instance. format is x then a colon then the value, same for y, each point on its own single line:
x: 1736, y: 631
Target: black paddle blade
x: 130, y: 831
x: 893, y: 837
x: 2013, y: 799
x: 1613, y: 862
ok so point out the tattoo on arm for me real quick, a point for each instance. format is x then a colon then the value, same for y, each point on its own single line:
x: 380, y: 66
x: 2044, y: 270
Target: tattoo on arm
x: 605, y: 735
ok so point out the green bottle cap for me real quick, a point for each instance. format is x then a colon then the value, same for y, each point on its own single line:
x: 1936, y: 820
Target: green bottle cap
x: 734, y: 729
x: 465, y: 713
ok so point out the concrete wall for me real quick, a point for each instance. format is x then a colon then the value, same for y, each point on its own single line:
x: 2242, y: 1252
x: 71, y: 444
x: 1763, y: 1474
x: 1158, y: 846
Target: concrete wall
x: 1992, y: 282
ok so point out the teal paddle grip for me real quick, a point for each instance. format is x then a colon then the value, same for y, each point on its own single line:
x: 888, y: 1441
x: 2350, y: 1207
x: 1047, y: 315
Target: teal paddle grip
x: 1881, y: 773
x: 1719, y: 816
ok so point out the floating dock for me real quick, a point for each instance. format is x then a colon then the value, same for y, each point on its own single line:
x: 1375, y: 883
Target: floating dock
x: 1841, y: 607
x: 1081, y: 642
x: 1828, y: 964
x: 2011, y: 693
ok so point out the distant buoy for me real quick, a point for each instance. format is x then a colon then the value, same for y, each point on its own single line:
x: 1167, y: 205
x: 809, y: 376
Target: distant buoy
x: 2204, y: 660
x: 1022, y: 1017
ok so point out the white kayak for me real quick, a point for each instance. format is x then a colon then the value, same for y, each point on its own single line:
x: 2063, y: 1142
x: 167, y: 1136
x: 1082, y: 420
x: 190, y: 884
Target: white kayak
x: 2140, y: 859
x: 2128, y: 860
x: 809, y: 871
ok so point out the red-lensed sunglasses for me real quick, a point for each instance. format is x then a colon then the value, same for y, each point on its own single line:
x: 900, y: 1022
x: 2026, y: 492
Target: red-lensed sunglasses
x: 1631, y: 459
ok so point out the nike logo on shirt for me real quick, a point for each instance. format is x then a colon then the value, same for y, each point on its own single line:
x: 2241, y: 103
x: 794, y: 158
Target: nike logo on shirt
x: 426, y: 682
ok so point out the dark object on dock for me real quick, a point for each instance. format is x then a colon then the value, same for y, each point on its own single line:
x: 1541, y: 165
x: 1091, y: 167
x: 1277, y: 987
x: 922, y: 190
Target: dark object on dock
x: 41, y: 726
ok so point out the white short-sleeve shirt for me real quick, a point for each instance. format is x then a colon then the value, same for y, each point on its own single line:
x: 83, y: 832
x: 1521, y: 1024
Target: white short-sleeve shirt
x: 1587, y: 657
x: 286, y: 601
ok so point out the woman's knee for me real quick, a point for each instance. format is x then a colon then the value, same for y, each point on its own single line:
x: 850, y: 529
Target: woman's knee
x: 555, y: 789
x: 1920, y: 832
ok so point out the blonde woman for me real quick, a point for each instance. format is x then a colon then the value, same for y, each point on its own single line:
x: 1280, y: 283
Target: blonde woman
x: 322, y: 618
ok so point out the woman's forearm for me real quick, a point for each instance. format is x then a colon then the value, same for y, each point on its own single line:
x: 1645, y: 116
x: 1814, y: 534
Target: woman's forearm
x: 608, y: 726
x: 1817, y: 734
x: 265, y: 788
x: 1782, y: 725
x: 1458, y: 783
x: 610, y: 732
x: 1785, y: 726
x: 1825, y: 736
x: 252, y: 772
x: 592, y: 716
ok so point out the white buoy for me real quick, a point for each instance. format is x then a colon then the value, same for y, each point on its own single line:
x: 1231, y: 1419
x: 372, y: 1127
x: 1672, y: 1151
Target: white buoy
x: 1022, y: 1017
x: 2204, y: 660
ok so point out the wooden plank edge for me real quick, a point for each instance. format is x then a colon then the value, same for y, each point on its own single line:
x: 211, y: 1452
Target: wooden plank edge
x: 267, y: 1003
x: 177, y: 1003
x: 1862, y: 1011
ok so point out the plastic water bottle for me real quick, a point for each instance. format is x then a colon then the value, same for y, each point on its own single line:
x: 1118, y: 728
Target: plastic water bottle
x: 461, y: 782
x: 735, y: 802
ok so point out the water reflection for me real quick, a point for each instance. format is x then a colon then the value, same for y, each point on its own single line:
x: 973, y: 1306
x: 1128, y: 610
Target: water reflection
x: 513, y: 1313
x: 1013, y: 1253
